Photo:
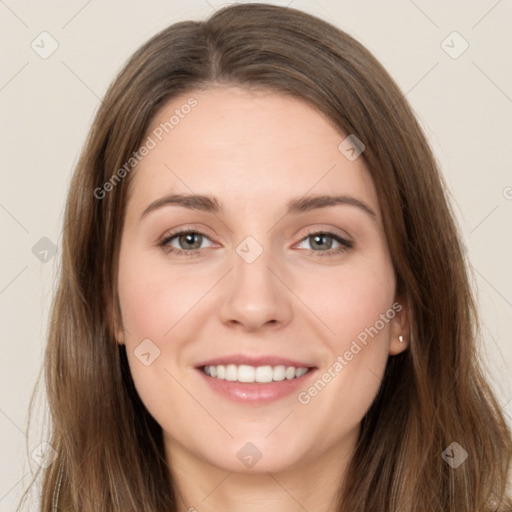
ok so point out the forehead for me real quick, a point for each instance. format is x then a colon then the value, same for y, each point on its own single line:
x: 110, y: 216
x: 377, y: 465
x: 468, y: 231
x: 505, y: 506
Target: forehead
x: 252, y: 146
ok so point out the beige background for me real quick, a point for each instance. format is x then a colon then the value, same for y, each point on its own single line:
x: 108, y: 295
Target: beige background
x: 47, y: 105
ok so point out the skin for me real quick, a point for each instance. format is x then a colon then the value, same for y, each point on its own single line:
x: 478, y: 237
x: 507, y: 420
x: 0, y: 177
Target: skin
x: 255, y: 151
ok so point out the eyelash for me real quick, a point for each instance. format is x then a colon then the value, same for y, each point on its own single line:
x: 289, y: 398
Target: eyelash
x: 345, y: 245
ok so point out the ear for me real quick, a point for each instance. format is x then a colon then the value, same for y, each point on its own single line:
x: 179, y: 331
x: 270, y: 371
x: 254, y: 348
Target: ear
x: 400, y: 330
x: 113, y: 317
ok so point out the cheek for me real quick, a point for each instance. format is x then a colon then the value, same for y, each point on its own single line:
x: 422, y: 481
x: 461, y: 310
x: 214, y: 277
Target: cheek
x: 359, y: 311
x: 159, y: 309
x: 356, y: 301
x: 154, y: 302
x: 153, y: 299
x: 352, y: 306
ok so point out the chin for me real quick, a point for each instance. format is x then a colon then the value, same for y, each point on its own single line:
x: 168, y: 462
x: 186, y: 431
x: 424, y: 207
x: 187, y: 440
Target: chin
x: 257, y: 455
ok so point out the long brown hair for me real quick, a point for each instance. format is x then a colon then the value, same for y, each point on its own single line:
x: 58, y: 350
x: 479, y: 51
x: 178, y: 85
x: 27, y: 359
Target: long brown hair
x: 110, y: 453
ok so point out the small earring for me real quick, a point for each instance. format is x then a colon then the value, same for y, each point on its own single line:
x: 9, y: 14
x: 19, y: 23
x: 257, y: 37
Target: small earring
x: 400, y: 339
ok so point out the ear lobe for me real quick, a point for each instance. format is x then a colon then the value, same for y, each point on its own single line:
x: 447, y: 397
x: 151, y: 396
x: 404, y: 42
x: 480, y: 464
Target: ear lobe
x: 117, y: 327
x: 400, y: 330
x: 113, y: 319
x: 118, y: 331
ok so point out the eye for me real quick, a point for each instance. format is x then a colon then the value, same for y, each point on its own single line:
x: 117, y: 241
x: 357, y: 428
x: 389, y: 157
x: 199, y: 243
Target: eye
x: 324, y: 240
x: 189, y: 240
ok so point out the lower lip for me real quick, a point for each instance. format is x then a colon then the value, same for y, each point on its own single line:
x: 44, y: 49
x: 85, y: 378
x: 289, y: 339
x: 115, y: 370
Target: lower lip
x: 256, y: 393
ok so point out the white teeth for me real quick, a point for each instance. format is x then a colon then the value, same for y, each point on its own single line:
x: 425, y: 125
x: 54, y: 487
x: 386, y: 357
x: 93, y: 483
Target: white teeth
x: 263, y: 374
x: 231, y: 372
x: 279, y: 373
x: 246, y: 373
x: 300, y: 372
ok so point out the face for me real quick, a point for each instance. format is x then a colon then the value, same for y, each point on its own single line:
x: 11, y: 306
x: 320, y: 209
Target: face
x: 291, y: 301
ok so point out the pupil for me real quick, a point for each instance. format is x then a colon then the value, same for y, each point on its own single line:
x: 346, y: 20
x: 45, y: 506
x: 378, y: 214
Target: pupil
x: 189, y: 237
x: 320, y: 237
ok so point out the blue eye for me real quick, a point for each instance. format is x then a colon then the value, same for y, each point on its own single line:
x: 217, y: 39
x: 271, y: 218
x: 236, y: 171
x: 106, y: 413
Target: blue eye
x: 193, y: 239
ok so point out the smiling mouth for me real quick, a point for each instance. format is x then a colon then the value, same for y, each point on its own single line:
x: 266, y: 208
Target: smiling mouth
x: 254, y: 374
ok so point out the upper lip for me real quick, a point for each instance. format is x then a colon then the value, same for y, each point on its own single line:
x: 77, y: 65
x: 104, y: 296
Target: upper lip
x: 263, y: 360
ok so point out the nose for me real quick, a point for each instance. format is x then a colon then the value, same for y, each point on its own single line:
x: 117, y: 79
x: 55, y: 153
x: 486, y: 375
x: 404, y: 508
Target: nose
x: 257, y: 293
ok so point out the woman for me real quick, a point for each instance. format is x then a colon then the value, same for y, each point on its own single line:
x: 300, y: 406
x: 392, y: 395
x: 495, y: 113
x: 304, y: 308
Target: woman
x: 245, y: 372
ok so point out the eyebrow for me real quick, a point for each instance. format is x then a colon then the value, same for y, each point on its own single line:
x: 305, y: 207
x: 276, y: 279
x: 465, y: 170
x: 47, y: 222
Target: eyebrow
x: 211, y: 204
